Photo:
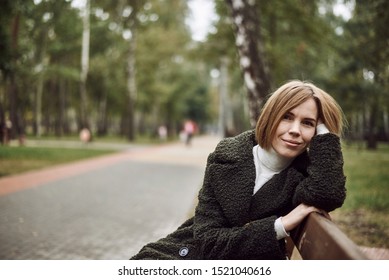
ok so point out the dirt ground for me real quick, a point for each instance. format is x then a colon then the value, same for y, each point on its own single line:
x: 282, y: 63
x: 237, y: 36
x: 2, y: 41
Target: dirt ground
x: 365, y: 228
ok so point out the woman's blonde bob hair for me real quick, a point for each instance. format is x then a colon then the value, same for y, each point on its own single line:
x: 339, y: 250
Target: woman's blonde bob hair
x: 289, y: 96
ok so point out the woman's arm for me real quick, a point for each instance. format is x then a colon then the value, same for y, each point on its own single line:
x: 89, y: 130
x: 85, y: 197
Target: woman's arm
x: 324, y: 187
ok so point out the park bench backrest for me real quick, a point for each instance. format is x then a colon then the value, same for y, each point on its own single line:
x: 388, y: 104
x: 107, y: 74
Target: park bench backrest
x: 318, y: 238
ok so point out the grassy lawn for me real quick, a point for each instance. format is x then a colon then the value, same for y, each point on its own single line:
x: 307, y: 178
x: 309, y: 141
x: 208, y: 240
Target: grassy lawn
x: 14, y: 160
x: 365, y: 215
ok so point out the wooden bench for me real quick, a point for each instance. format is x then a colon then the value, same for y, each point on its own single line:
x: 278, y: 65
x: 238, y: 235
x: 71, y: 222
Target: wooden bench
x: 318, y: 238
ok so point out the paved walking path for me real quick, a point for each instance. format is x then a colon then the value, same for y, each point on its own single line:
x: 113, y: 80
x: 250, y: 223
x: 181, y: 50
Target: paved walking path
x: 102, y: 208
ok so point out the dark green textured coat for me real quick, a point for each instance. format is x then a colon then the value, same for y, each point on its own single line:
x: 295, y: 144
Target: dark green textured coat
x: 231, y: 223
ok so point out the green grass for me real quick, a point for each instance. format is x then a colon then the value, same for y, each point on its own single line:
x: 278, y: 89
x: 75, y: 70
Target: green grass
x: 367, y: 178
x: 364, y: 217
x: 140, y: 139
x: 15, y: 160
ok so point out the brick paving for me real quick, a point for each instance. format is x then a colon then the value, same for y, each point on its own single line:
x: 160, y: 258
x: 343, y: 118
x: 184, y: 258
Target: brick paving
x: 104, y: 208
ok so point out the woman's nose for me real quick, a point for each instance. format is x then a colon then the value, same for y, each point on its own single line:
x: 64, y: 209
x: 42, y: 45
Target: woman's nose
x: 294, y: 128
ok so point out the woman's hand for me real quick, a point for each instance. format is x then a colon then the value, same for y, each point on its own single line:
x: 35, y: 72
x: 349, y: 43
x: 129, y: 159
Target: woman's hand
x: 321, y: 127
x: 295, y: 217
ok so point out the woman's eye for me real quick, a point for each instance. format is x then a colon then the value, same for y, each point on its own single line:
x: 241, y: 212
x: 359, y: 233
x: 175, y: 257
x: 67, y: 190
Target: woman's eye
x: 287, y: 117
x: 308, y: 123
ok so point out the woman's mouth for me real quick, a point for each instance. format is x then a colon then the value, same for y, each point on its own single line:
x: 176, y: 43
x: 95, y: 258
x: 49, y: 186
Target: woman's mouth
x: 292, y: 143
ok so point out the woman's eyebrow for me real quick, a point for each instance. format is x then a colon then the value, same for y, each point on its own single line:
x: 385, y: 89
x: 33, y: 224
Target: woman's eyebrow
x: 306, y: 118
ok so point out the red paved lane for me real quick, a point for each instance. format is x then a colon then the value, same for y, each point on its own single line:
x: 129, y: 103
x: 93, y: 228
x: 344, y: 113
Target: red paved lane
x: 31, y: 179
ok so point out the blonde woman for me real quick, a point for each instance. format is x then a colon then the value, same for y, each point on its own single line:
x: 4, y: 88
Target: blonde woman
x: 259, y: 185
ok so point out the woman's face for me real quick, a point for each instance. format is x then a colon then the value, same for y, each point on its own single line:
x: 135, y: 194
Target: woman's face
x: 296, y: 129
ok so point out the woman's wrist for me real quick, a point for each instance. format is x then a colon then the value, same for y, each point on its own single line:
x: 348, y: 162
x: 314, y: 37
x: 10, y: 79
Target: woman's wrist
x: 279, y: 228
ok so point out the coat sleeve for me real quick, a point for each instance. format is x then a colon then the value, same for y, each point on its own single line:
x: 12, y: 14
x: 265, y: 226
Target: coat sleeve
x: 324, y: 186
x: 218, y: 239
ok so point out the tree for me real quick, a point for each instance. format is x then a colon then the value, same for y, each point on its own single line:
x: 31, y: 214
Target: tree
x: 11, y: 15
x: 84, y: 66
x: 250, y: 46
x: 164, y: 66
x: 51, y: 37
x: 125, y: 16
x: 132, y: 24
x: 367, y: 60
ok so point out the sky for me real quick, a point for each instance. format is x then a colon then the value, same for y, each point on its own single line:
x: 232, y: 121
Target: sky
x: 344, y: 9
x: 202, y: 15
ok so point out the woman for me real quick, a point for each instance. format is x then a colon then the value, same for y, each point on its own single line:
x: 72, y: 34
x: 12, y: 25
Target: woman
x: 261, y: 184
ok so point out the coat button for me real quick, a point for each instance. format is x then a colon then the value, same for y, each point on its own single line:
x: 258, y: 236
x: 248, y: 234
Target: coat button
x: 183, y: 251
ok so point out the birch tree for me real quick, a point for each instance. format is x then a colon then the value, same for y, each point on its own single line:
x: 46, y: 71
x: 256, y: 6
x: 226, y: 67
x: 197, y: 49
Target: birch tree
x: 42, y: 63
x: 131, y: 70
x: 248, y: 41
x: 84, y: 65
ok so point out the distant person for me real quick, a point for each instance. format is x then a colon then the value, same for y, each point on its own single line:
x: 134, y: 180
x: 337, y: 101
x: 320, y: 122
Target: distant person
x: 2, y: 125
x: 260, y: 185
x: 85, y: 135
x: 7, y: 131
x: 162, y: 132
x: 189, y: 129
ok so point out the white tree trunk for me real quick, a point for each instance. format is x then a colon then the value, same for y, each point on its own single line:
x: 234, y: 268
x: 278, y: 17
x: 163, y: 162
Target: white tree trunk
x: 85, y: 65
x: 249, y: 44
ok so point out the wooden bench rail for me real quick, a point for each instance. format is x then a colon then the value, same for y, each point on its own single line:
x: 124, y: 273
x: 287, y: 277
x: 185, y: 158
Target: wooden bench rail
x: 318, y: 238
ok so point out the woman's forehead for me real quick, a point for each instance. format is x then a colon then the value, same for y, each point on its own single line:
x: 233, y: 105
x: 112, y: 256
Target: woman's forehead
x: 307, y: 109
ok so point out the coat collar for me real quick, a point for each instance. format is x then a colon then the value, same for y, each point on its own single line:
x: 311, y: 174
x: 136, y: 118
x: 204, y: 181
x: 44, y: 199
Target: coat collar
x: 233, y: 176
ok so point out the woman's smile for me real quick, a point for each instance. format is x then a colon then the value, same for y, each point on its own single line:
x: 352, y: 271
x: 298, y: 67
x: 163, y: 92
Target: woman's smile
x: 291, y: 143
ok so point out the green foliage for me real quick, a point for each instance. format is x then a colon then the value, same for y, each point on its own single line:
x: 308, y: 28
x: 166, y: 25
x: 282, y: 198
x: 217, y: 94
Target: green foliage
x: 298, y: 39
x: 361, y: 76
x: 302, y: 39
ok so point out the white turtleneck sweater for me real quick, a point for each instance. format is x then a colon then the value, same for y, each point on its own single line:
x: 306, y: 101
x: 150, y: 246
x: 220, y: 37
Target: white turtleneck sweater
x: 267, y: 164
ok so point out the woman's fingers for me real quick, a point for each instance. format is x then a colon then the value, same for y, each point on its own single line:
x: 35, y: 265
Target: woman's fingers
x: 325, y: 214
x: 294, y: 217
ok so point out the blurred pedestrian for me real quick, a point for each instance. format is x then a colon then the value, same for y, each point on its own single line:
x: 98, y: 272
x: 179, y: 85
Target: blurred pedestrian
x: 7, y: 131
x: 162, y: 132
x: 85, y: 135
x: 189, y: 129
